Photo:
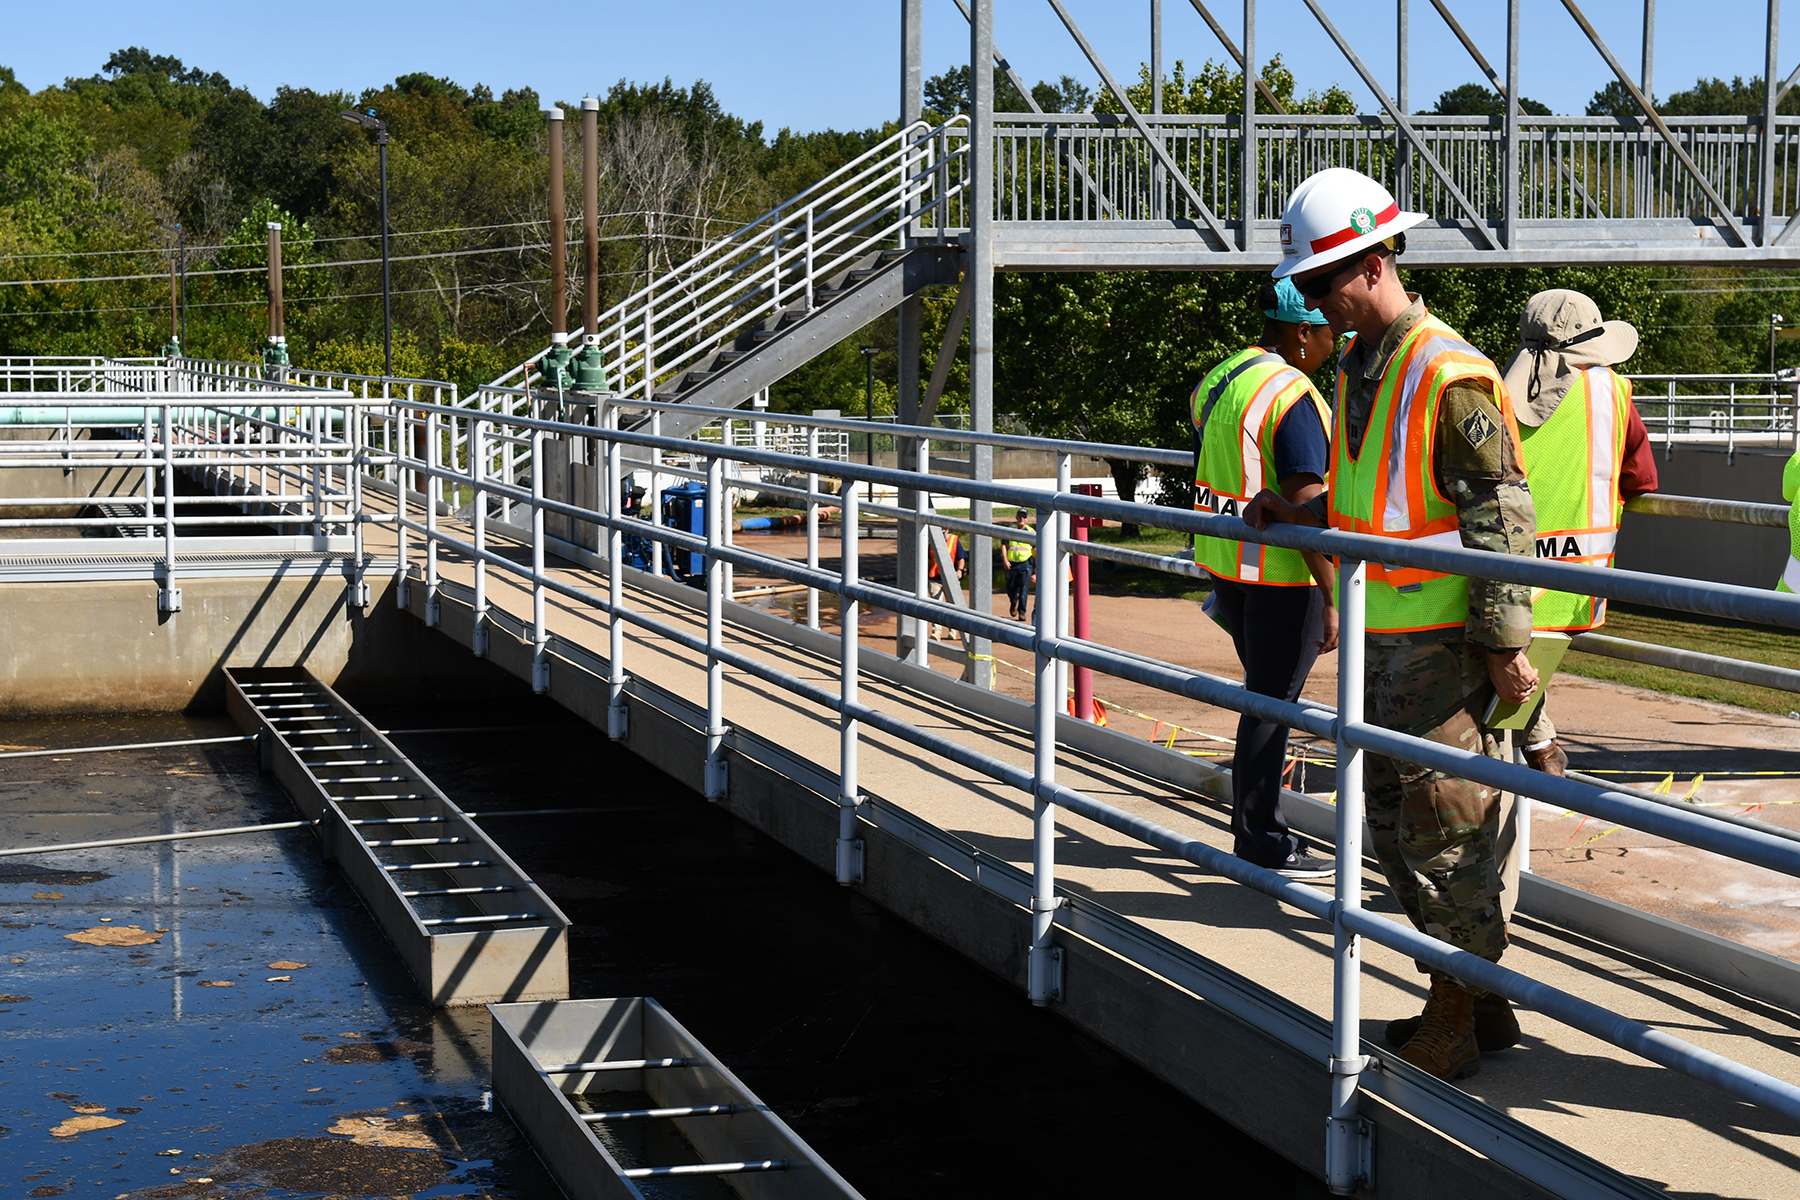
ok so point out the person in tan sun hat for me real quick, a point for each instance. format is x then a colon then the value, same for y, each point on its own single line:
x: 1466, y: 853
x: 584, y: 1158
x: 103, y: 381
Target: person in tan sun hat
x: 1586, y: 453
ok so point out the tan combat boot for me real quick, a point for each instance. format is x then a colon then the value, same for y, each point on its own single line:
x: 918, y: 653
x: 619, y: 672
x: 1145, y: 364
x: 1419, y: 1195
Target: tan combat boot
x: 1445, y: 1045
x: 1550, y: 760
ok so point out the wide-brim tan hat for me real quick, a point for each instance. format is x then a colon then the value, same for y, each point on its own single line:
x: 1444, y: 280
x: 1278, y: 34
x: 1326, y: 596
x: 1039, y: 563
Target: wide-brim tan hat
x: 1561, y: 330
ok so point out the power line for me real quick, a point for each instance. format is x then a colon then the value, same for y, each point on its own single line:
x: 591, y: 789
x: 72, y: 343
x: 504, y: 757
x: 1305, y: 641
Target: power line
x: 258, y: 302
x: 363, y: 237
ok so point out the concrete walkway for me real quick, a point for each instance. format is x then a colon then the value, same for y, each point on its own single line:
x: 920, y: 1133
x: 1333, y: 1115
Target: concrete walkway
x: 1673, y: 1133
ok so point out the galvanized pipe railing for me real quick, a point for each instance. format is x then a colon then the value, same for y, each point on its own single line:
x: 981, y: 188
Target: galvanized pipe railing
x: 1351, y: 734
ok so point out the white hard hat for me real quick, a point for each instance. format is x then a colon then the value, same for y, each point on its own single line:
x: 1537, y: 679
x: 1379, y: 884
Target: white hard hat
x: 1334, y: 214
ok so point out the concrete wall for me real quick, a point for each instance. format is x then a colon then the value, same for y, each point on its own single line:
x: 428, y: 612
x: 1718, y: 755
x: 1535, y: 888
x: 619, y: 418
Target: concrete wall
x: 1747, y: 555
x: 96, y: 647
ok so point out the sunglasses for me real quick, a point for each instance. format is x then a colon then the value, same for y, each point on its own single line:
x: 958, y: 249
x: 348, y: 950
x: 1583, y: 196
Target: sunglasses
x: 1319, y: 286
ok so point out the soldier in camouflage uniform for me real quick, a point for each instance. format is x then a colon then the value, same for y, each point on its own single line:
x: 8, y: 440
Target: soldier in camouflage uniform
x: 1433, y: 834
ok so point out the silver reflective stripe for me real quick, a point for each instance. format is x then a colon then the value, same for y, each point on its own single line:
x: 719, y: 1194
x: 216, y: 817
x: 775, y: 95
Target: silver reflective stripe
x: 1396, y: 517
x: 1250, y: 562
x: 1603, y: 464
x: 1790, y: 575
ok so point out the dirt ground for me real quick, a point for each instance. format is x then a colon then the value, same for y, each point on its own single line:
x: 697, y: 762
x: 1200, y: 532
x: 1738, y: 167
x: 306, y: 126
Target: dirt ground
x: 1710, y: 754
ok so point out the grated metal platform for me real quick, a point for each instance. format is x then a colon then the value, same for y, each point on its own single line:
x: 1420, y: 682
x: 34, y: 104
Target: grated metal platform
x: 469, y: 924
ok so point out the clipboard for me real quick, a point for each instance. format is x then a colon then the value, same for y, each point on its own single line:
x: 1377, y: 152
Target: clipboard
x: 1546, y: 654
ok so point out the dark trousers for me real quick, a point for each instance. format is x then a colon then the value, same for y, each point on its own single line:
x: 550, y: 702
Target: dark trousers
x: 1277, y: 631
x: 1018, y: 585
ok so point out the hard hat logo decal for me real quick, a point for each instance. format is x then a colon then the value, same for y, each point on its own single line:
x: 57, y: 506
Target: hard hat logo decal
x: 1287, y: 234
x: 1362, y: 220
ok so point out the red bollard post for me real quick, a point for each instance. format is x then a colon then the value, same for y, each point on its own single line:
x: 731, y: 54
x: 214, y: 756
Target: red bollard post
x: 1084, y: 676
x: 1078, y: 623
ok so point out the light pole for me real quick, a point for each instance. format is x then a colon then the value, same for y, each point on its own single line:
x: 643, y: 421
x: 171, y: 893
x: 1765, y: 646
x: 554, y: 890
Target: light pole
x: 368, y: 121
x: 178, y: 327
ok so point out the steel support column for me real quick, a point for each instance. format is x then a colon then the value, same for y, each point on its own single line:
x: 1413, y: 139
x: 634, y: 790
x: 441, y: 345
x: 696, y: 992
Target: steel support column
x: 1765, y: 174
x: 1247, y: 171
x: 617, y: 714
x: 1509, y: 189
x: 1403, y: 97
x: 979, y: 279
x: 910, y: 319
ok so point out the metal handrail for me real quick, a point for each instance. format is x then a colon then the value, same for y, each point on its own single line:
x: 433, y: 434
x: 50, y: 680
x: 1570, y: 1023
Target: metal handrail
x: 1053, y: 649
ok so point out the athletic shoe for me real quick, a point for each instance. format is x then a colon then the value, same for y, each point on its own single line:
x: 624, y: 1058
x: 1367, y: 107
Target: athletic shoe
x: 1305, y: 866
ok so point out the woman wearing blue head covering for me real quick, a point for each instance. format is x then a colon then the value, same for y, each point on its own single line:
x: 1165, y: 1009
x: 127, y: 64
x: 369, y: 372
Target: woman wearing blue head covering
x: 1260, y: 423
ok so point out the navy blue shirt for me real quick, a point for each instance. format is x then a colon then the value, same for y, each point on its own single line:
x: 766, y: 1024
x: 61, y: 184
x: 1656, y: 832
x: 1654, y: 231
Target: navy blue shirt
x: 1300, y: 444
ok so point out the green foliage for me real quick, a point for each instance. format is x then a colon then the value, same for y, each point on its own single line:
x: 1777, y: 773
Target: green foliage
x: 1473, y: 100
x: 364, y: 356
x: 1716, y: 98
x: 1215, y: 88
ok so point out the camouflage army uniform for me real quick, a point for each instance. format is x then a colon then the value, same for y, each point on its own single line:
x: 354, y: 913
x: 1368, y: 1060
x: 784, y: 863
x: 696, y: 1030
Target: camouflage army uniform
x: 1434, y: 834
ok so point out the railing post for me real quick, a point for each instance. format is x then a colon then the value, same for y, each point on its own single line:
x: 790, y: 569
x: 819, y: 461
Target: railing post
x: 1063, y: 563
x: 168, y: 597
x: 921, y: 581
x: 540, y: 636
x: 478, y: 639
x: 849, y: 846
x: 812, y: 524
x: 809, y: 258
x: 357, y: 445
x: 405, y: 479
x: 716, y: 779
x: 1349, y: 1137
x: 1043, y: 973
x: 1669, y: 427
x: 149, y: 473
x: 618, y: 725
x: 657, y: 550
x: 433, y: 489
x: 728, y: 505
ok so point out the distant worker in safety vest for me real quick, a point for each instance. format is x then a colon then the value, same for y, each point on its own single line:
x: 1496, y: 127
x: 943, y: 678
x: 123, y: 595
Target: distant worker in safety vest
x: 1425, y: 451
x: 1586, y: 453
x: 940, y: 588
x: 1018, y: 553
x: 1259, y: 423
x: 1790, y: 487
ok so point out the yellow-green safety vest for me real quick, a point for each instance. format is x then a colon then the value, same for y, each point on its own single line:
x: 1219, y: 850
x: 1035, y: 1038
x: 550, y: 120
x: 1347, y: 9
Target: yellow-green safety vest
x: 1573, y: 467
x: 1236, y: 410
x: 1019, y: 552
x: 1790, y: 486
x: 1389, y: 489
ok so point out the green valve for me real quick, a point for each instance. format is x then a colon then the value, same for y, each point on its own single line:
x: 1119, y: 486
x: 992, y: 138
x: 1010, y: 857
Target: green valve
x: 557, y: 369
x: 590, y: 369
x: 275, y: 354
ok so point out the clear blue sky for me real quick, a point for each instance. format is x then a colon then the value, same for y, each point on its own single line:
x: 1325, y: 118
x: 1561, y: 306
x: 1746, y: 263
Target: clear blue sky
x: 813, y: 64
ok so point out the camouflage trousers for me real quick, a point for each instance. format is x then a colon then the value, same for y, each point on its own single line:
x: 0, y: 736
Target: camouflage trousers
x: 1434, y: 834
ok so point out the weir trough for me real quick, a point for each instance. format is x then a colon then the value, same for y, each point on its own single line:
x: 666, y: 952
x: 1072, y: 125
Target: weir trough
x: 578, y: 1076
x: 468, y: 923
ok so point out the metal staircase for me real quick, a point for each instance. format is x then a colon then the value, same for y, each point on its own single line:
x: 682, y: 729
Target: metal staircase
x: 771, y: 296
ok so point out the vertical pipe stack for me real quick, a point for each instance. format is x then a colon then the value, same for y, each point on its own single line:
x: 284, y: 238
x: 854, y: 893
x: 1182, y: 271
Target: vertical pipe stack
x: 1042, y: 982
x: 559, y: 284
x: 590, y: 365
x: 1510, y: 160
x: 1403, y: 98
x: 275, y: 355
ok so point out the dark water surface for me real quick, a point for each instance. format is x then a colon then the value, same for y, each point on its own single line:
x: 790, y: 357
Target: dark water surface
x: 915, y: 1073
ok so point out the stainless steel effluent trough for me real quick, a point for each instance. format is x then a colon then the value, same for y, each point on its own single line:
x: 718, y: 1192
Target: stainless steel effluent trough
x: 574, y: 1074
x: 469, y: 924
